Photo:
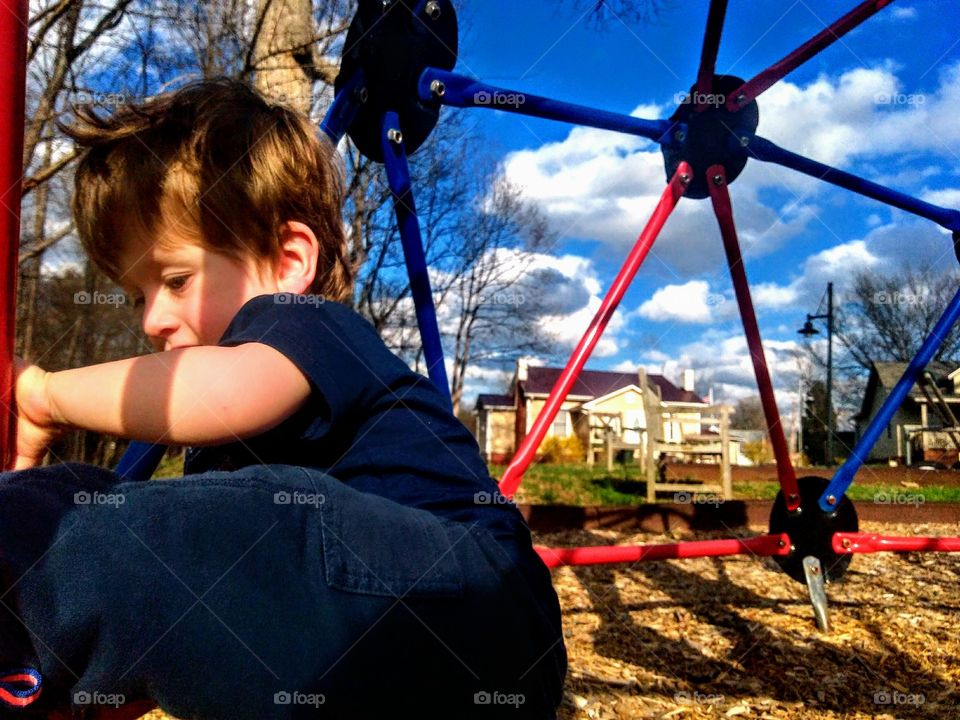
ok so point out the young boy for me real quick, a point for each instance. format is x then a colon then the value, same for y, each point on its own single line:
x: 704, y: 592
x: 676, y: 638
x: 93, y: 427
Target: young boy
x: 336, y: 547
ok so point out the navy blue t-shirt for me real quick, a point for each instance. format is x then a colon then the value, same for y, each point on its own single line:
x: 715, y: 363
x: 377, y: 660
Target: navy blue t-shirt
x: 370, y: 421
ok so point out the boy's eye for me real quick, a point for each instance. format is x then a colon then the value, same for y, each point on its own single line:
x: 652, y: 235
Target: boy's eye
x: 176, y: 283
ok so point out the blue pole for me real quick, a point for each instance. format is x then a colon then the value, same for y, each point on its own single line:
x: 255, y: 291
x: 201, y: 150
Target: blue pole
x: 763, y: 149
x: 464, y: 92
x: 398, y: 177
x: 344, y: 108
x: 140, y: 461
x: 844, y: 476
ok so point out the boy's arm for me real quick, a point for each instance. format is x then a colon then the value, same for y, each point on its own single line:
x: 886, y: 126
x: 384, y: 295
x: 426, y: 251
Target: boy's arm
x: 191, y: 396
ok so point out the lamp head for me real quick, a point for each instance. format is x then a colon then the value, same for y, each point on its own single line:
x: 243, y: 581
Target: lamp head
x: 808, y: 330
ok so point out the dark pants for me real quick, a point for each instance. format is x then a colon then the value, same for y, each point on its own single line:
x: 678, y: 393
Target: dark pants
x: 268, y: 592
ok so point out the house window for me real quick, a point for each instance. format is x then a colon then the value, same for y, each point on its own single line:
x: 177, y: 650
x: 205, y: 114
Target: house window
x: 560, y: 424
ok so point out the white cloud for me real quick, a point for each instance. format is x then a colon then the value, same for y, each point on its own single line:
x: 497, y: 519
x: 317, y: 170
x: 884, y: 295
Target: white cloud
x: 691, y: 302
x: 771, y: 295
x: 948, y: 198
x: 903, y: 13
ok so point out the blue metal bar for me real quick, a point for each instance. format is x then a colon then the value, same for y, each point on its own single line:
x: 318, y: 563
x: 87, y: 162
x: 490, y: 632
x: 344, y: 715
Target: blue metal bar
x: 140, y: 461
x: 344, y: 108
x: 398, y: 176
x: 763, y: 149
x: 844, y: 475
x: 464, y: 92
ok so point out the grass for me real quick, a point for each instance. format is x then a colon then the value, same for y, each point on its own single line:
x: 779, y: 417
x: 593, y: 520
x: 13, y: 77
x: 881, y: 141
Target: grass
x: 584, y: 485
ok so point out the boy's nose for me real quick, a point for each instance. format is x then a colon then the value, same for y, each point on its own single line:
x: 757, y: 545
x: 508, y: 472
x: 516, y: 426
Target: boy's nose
x: 158, y: 322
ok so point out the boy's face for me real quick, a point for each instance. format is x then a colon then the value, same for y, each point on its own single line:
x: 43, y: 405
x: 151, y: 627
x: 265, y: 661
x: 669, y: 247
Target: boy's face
x: 189, y: 294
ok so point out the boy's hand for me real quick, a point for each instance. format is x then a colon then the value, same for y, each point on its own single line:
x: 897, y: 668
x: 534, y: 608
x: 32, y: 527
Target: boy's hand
x: 36, y: 429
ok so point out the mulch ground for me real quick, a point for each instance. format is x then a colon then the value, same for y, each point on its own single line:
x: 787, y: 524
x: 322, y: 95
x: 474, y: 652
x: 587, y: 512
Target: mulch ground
x: 734, y: 637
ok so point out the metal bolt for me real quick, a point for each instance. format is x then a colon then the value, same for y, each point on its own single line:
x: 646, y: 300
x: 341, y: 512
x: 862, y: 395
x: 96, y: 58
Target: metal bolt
x: 741, y: 99
x: 394, y: 136
x: 718, y: 179
x: 680, y: 136
x: 361, y: 94
x: 831, y: 500
x: 684, y: 178
x: 744, y: 141
x: 846, y: 542
x: 782, y: 543
x: 432, y: 9
x: 438, y: 88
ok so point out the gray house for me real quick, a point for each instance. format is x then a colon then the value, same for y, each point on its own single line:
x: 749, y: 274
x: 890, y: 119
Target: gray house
x: 915, y: 433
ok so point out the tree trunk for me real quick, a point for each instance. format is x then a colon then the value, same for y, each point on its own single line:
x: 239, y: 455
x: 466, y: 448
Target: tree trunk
x: 284, y: 61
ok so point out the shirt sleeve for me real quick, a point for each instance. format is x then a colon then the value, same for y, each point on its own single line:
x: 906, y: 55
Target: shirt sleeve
x: 340, y: 354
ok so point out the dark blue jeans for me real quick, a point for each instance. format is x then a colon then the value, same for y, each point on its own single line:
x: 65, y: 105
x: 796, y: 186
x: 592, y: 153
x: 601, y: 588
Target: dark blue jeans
x: 269, y: 592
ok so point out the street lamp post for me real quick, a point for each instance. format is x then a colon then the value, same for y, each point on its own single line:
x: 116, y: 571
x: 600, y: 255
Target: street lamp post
x: 809, y: 330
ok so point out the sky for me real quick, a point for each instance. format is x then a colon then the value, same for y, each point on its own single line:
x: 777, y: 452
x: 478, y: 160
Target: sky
x: 883, y: 102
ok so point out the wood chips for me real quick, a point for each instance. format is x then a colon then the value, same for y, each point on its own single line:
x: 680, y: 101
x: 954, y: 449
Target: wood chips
x: 735, y: 637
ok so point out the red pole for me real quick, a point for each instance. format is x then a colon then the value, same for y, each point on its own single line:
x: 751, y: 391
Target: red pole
x: 13, y: 68
x: 717, y: 182
x: 871, y: 543
x: 528, y: 448
x: 762, y: 545
x: 708, y: 55
x: 756, y: 85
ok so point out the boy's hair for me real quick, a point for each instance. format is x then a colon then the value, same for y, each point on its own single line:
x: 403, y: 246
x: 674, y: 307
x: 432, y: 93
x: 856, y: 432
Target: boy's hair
x: 217, y: 159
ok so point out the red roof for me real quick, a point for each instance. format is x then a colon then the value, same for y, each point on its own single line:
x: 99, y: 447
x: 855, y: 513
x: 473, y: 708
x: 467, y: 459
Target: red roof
x: 596, y: 383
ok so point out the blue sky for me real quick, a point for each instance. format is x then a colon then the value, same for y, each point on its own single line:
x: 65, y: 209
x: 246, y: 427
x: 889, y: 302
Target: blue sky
x: 883, y: 102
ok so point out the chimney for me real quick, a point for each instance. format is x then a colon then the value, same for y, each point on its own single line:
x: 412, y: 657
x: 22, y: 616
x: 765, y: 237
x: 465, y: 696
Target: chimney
x: 688, y: 380
x: 521, y: 369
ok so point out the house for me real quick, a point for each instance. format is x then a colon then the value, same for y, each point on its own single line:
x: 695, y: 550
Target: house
x: 600, y: 402
x: 915, y: 433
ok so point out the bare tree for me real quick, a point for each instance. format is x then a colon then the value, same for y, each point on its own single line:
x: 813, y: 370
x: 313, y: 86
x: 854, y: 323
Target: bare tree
x: 888, y: 317
x: 494, y: 294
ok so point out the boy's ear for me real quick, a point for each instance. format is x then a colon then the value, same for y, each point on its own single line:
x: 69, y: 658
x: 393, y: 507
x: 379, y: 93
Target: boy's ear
x: 297, y: 265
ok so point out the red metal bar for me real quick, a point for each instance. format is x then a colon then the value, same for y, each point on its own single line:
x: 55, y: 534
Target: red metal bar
x: 708, y: 55
x: 763, y: 80
x: 528, y: 447
x: 871, y: 543
x: 13, y: 68
x: 717, y: 182
x: 762, y: 545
